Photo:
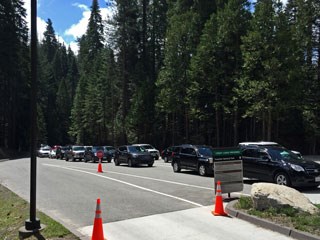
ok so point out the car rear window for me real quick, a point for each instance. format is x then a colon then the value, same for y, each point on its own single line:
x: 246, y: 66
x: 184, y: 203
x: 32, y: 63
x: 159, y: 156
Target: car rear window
x: 78, y: 148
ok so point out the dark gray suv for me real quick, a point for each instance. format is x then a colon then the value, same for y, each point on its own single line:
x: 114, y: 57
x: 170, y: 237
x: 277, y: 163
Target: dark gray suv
x: 193, y: 157
x: 279, y: 165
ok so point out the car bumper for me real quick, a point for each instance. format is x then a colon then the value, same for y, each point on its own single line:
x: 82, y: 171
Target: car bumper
x: 142, y: 161
x: 304, y: 180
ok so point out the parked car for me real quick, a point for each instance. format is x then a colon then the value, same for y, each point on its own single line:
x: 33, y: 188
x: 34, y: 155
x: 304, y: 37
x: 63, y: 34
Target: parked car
x: 94, y: 151
x: 53, y: 153
x: 44, y: 151
x: 87, y: 153
x: 60, y: 153
x: 168, y: 153
x: 133, y: 155
x: 154, y: 152
x: 279, y: 165
x: 110, y: 151
x: 266, y: 144
x: 75, y: 152
x: 193, y: 157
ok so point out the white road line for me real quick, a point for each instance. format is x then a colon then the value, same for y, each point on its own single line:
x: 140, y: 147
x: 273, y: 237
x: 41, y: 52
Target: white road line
x: 153, y: 179
x: 129, y: 184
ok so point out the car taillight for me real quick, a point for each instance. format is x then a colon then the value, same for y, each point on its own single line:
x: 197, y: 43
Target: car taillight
x: 172, y: 154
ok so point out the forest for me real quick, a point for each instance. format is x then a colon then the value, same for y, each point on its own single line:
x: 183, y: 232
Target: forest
x: 167, y: 72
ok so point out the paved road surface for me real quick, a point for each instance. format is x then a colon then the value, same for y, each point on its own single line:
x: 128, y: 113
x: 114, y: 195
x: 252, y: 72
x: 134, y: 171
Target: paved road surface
x: 137, y: 203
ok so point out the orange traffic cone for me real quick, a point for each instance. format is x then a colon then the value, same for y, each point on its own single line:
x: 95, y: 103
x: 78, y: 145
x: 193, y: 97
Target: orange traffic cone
x: 100, y: 167
x: 218, y: 210
x: 97, y: 233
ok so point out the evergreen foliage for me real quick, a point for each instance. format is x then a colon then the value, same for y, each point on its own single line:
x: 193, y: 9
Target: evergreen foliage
x: 167, y: 72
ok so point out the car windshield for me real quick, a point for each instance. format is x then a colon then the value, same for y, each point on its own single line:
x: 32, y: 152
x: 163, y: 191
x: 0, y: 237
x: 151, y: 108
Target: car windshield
x: 46, y: 149
x: 109, y: 148
x: 205, y: 151
x: 136, y: 149
x: 148, y: 147
x: 282, y: 154
x: 78, y: 148
x: 97, y: 149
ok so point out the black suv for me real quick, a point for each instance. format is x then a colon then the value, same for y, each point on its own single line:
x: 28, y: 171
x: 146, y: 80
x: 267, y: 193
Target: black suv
x: 193, y: 157
x: 133, y: 155
x: 168, y: 153
x: 279, y: 165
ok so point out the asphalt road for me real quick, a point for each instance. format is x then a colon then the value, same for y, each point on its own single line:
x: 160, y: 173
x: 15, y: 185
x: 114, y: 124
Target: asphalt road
x: 67, y: 191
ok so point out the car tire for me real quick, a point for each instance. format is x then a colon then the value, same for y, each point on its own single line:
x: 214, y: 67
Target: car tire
x: 176, y: 167
x: 130, y: 162
x: 150, y: 164
x: 282, y: 178
x: 165, y: 159
x: 202, y: 170
x: 116, y: 162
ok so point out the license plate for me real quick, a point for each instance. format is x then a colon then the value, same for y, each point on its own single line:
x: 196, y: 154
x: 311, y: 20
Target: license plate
x: 317, y: 179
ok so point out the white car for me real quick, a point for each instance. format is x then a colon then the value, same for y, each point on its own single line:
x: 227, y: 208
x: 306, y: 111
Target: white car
x: 44, y: 151
x: 152, y: 150
x: 53, y: 153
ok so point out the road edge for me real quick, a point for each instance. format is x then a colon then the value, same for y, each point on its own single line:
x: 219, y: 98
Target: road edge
x: 267, y: 224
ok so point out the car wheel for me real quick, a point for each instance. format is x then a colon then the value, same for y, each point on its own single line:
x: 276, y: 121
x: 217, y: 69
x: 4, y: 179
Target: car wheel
x: 150, y: 164
x: 130, y: 162
x: 202, y: 170
x: 116, y: 162
x: 176, y: 167
x: 282, y: 179
x: 165, y: 159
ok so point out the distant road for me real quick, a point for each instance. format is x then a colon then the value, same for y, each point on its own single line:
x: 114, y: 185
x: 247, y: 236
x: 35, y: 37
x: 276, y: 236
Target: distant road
x: 67, y: 191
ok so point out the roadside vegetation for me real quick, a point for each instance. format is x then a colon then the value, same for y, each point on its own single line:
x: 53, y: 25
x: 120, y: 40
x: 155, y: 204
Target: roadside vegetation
x: 13, y: 213
x: 286, y: 216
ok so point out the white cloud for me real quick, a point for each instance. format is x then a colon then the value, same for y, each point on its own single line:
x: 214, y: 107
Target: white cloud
x: 74, y: 47
x: 78, y: 29
x: 81, y: 6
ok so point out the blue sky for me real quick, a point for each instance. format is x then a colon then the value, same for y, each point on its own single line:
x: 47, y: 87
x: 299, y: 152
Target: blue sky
x: 69, y: 17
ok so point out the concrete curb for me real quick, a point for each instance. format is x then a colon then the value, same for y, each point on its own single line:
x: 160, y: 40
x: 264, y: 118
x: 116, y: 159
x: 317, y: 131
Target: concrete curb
x: 267, y: 224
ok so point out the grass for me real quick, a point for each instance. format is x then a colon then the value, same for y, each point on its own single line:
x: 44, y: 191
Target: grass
x: 14, y: 212
x: 286, y: 216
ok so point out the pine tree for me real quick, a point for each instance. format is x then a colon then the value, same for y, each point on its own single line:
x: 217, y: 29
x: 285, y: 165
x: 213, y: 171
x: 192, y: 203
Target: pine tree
x: 14, y: 75
x: 87, y: 109
x: 214, y: 72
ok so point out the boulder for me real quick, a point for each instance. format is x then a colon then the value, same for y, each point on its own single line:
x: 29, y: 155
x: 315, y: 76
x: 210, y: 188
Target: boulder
x: 265, y: 195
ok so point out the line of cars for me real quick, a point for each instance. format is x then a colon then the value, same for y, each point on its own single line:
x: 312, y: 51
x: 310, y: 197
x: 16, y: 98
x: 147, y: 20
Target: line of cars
x: 132, y: 155
x: 266, y: 161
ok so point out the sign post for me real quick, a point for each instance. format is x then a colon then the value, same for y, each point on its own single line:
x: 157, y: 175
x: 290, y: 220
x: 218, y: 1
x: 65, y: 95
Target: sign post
x: 100, y: 156
x: 228, y: 169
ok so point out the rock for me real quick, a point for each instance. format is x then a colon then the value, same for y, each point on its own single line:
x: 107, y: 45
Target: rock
x: 265, y: 195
